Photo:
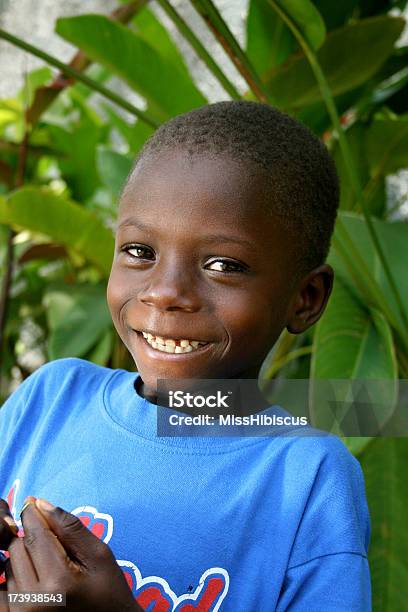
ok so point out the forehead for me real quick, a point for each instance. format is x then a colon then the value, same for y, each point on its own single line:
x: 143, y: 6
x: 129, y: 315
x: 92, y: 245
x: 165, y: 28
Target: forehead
x: 208, y: 189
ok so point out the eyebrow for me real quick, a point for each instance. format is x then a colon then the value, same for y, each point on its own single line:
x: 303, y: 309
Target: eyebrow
x: 131, y: 221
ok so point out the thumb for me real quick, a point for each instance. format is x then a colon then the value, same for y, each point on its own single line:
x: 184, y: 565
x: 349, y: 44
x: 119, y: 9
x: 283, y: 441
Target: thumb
x: 79, y: 543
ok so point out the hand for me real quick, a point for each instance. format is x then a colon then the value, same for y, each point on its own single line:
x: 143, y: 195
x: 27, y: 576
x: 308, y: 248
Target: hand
x: 8, y: 529
x: 59, y: 554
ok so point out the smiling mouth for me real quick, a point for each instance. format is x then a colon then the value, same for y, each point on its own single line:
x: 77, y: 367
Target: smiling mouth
x: 171, y: 345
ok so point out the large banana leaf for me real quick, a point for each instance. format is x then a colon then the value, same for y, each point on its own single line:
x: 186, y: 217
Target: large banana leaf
x: 40, y: 210
x: 335, y: 14
x: 77, y: 164
x: 394, y: 240
x: 78, y: 317
x: 352, y: 342
x: 387, y: 145
x: 379, y: 149
x: 102, y: 350
x: 113, y: 168
x: 307, y: 19
x: 384, y: 464
x: 356, y: 137
x: 269, y: 40
x: 343, y: 58
x: 167, y: 89
x: 148, y: 27
x: 134, y: 134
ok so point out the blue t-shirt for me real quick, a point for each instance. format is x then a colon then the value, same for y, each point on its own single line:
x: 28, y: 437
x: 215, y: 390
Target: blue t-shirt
x: 196, y: 523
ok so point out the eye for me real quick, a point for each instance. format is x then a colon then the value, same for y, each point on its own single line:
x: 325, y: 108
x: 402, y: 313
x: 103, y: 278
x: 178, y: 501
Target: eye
x: 225, y: 265
x: 138, y: 251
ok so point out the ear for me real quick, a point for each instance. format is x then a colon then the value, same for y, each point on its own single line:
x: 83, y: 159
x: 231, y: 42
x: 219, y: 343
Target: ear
x: 310, y: 299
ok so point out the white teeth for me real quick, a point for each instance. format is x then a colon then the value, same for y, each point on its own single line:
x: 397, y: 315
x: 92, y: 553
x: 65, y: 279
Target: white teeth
x: 169, y: 345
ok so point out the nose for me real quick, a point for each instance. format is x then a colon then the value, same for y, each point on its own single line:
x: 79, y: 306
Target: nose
x: 171, y: 287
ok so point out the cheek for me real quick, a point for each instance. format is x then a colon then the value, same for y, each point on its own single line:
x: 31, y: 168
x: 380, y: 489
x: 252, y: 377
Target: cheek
x: 253, y: 324
x: 245, y: 318
x: 115, y: 293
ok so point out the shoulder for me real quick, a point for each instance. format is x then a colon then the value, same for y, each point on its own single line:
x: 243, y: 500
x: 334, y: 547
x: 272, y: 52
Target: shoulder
x: 65, y: 365
x: 61, y: 370
x: 329, y: 468
x: 336, y: 517
x: 319, y: 452
x: 53, y: 381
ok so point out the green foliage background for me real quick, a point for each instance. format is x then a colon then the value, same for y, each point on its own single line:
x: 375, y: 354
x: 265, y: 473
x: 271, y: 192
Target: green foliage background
x: 65, y: 152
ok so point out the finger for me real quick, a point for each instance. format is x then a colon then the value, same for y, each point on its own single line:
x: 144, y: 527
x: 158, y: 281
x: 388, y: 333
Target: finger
x: 8, y: 528
x: 6, y: 515
x: 46, y: 552
x: 11, y: 585
x: 78, y: 541
x: 20, y: 567
x: 3, y: 561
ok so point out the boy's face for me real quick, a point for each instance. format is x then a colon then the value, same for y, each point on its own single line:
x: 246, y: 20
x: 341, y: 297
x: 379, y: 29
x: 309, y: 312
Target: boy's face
x: 204, y: 263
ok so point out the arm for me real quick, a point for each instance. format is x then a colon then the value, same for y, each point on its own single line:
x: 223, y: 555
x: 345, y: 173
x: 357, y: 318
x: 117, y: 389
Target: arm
x: 328, y: 569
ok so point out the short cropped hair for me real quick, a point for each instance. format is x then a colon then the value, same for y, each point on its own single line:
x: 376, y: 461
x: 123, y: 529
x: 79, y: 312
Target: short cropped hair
x: 302, y: 183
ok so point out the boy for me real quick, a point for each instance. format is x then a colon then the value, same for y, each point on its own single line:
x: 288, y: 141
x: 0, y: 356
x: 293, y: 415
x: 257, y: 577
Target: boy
x: 223, y: 230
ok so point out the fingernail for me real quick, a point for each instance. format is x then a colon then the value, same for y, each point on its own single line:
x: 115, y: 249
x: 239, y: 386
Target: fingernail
x: 45, y: 505
x: 28, y: 500
x: 10, y: 522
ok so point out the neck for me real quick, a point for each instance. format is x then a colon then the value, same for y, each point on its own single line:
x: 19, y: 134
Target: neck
x: 244, y: 395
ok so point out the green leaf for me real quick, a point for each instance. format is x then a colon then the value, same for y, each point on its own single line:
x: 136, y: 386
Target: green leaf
x: 65, y: 222
x: 168, y: 90
x: 78, y: 164
x: 394, y: 238
x: 269, y: 40
x: 384, y: 466
x: 335, y: 14
x: 356, y: 137
x: 352, y: 342
x: 134, y: 134
x: 387, y: 145
x: 34, y: 80
x: 148, y: 27
x: 294, y: 85
x: 77, y: 318
x: 101, y: 352
x: 306, y: 18
x: 113, y: 168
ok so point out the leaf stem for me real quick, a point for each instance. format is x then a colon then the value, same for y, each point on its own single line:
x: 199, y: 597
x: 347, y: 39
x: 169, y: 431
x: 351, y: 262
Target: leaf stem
x: 72, y: 72
x: 199, y: 48
x: 223, y: 34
